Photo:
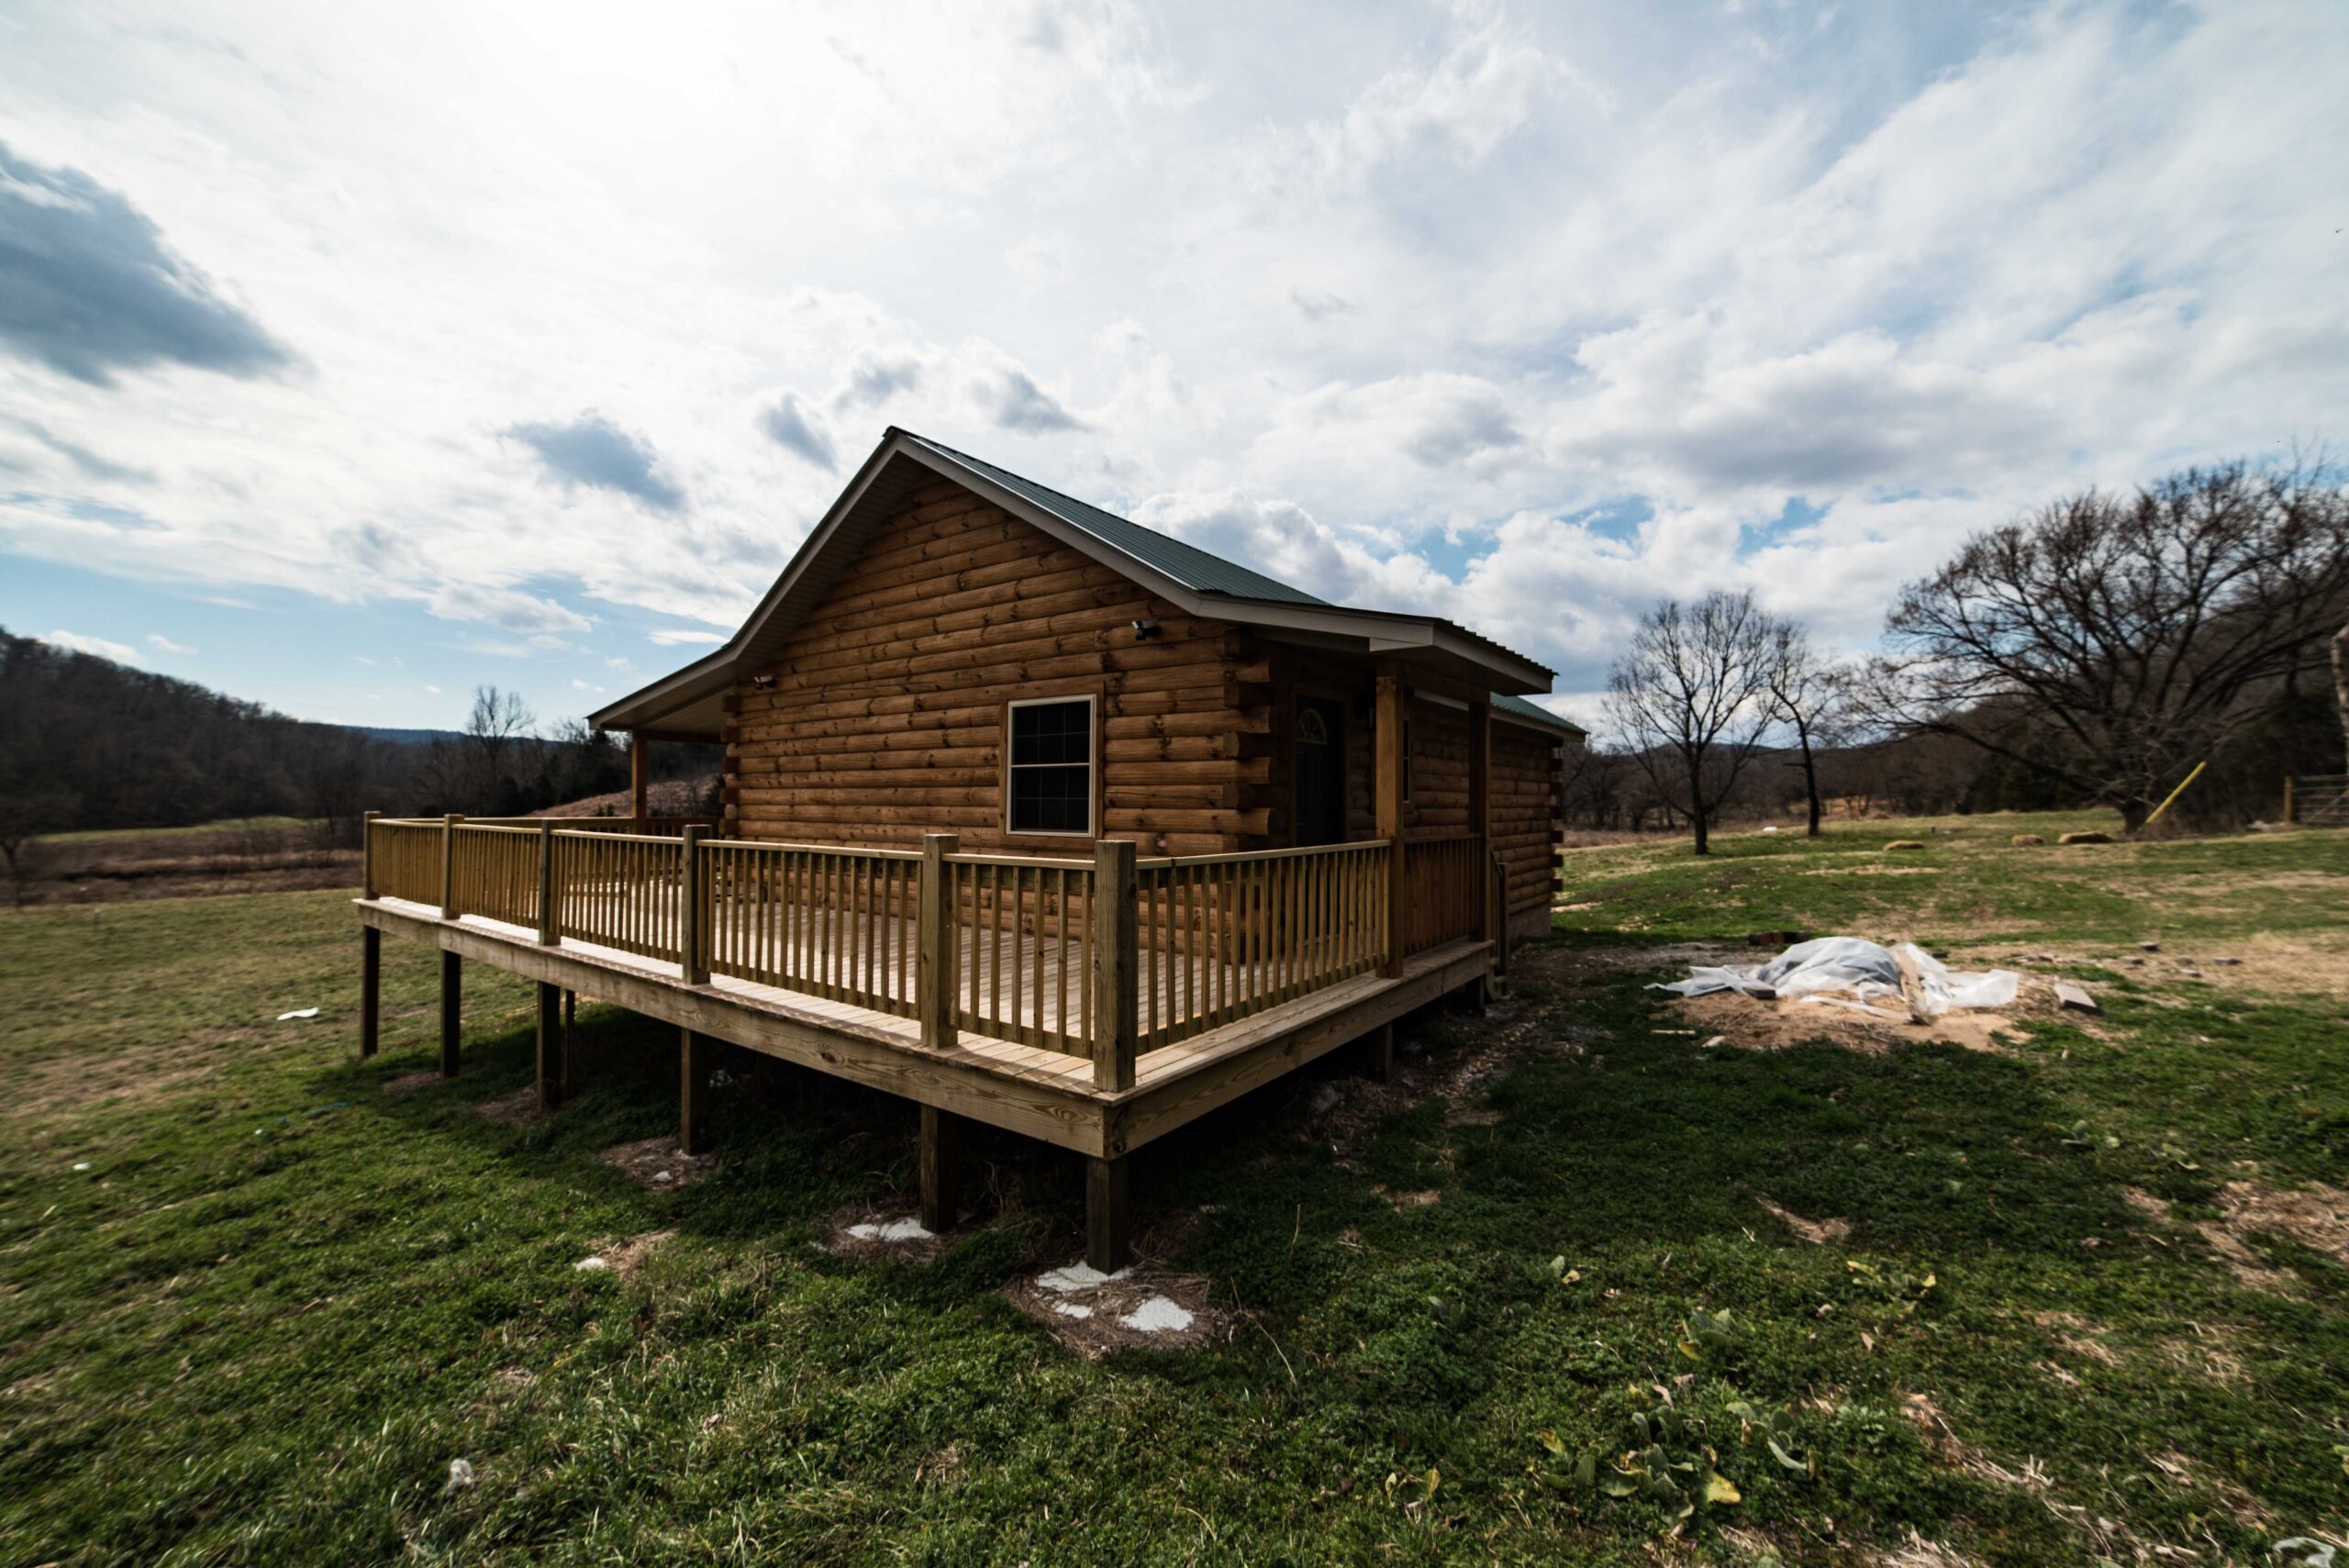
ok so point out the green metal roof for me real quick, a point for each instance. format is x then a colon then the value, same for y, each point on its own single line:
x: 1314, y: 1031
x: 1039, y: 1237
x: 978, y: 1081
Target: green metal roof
x: 1195, y: 568
x: 1534, y: 713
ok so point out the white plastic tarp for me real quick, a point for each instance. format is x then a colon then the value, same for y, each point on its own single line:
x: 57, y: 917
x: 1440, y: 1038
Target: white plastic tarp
x: 1831, y: 967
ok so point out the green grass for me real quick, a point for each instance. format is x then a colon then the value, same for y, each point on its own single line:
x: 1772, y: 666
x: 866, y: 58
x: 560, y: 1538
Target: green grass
x: 225, y: 826
x: 282, y: 1300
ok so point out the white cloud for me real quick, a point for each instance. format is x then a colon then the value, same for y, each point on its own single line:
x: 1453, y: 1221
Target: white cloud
x: 1518, y: 316
x: 162, y: 644
x: 98, y: 647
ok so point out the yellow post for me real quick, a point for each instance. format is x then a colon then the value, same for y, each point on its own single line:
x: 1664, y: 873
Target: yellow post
x: 2175, y: 793
x: 2291, y: 806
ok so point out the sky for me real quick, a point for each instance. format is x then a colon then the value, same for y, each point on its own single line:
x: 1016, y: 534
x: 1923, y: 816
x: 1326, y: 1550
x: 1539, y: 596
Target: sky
x: 351, y: 356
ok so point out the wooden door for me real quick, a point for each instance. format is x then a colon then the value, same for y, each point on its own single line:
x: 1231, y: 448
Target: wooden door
x: 1321, y: 772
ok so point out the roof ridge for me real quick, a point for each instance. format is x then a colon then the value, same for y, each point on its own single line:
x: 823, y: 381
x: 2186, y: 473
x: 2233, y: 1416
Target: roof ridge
x: 1236, y: 573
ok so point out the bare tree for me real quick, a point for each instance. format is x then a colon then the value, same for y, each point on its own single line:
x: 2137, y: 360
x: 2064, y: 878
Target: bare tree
x: 2110, y: 641
x: 26, y: 815
x: 2341, y: 679
x: 1812, y: 695
x: 498, y: 720
x: 1690, y: 700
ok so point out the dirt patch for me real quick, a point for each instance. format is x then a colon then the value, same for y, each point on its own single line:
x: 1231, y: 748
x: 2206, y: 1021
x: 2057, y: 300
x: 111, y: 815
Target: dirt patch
x: 512, y: 1109
x: 1741, y: 1021
x: 655, y: 1163
x: 408, y: 1083
x: 1139, y: 1307
x: 2313, y: 966
x: 1817, y: 1232
x: 862, y: 1230
x: 624, y: 1257
x: 1918, y: 1552
x: 2317, y: 1217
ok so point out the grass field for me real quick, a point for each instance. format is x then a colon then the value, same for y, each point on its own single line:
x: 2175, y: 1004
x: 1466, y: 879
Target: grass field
x: 2078, y: 1299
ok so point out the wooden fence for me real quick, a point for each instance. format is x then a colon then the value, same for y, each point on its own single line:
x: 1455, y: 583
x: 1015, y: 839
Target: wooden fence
x: 1106, y: 958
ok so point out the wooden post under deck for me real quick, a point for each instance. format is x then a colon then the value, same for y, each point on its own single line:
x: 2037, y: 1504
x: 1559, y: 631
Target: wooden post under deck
x: 693, y: 1057
x: 553, y: 1055
x: 452, y: 990
x: 1107, y: 1240
x: 639, y: 777
x: 941, y: 1204
x: 370, y: 987
x: 1387, y: 792
x: 1382, y: 1052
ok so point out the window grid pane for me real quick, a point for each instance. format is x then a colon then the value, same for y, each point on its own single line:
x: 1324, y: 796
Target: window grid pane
x: 1051, y: 767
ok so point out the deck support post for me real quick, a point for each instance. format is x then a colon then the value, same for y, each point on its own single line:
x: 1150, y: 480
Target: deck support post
x: 694, y: 1054
x: 553, y: 1066
x: 693, y: 942
x: 936, y: 952
x: 1117, y: 1006
x: 940, y: 1203
x: 1107, y: 1240
x: 1387, y: 793
x: 550, y: 905
x: 452, y: 993
x: 370, y: 987
x: 640, y: 770
x: 449, y: 865
x: 1381, y: 1042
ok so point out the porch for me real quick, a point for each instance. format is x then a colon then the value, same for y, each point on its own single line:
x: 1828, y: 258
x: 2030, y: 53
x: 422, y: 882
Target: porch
x: 1096, y: 1003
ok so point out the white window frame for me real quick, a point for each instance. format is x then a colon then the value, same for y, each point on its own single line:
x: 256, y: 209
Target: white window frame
x: 1092, y: 766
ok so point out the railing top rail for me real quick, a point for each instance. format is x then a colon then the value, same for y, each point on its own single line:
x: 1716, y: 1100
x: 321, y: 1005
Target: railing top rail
x: 582, y: 834
x: 1450, y: 838
x: 1048, y: 865
x: 472, y: 827
x: 866, y: 850
x: 1245, y: 857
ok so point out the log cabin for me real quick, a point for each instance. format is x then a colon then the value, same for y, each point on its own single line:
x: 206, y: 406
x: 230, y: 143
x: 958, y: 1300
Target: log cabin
x: 1029, y: 814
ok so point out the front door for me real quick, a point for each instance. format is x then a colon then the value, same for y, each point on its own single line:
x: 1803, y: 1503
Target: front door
x: 1321, y: 772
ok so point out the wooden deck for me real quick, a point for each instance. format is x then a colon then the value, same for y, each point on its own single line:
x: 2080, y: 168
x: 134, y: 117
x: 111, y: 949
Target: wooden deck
x: 1043, y: 1094
x: 1093, y: 1004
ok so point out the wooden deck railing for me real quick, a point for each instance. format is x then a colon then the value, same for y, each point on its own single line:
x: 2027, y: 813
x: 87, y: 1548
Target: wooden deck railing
x: 1106, y: 958
x: 1449, y: 891
x: 1220, y: 937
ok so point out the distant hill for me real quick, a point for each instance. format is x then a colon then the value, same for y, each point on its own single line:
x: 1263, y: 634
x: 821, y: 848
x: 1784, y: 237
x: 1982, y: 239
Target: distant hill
x: 406, y: 736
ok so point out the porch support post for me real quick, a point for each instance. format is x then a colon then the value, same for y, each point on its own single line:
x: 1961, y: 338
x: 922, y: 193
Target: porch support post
x: 1387, y: 792
x: 694, y: 1054
x: 1381, y: 1042
x: 936, y: 949
x: 941, y: 1204
x: 449, y: 865
x: 370, y: 987
x: 552, y: 1068
x: 638, y: 773
x: 693, y: 941
x: 1117, y: 1006
x: 452, y: 993
x: 550, y: 901
x: 1107, y: 1234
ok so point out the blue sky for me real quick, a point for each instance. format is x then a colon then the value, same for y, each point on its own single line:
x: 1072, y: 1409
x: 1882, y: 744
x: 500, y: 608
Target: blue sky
x: 499, y: 344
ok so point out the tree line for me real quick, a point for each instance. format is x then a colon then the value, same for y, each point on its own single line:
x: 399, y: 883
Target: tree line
x: 89, y: 743
x: 2093, y: 652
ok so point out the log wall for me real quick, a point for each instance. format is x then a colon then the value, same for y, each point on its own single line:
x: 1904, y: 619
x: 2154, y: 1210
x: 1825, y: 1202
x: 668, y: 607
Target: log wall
x: 1525, y: 784
x: 884, y: 718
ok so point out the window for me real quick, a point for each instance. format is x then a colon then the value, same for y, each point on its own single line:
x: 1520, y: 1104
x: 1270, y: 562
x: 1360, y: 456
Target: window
x: 1051, y: 774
